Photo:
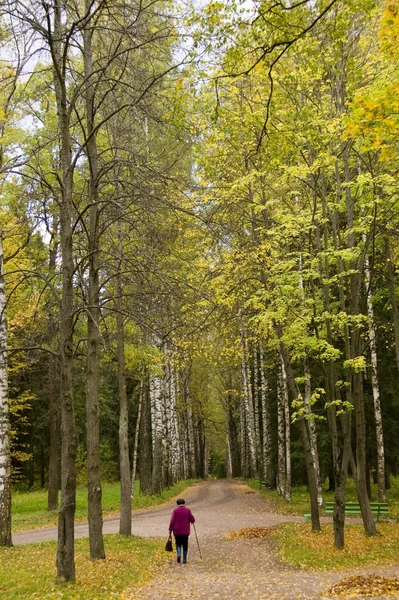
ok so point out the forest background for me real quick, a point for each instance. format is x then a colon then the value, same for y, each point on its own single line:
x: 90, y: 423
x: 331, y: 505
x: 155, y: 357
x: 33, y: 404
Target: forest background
x: 199, y: 212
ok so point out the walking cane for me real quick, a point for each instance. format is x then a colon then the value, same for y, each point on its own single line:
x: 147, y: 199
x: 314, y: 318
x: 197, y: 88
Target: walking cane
x: 196, y: 537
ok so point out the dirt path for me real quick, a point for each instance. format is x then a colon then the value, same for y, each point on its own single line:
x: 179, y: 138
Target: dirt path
x: 245, y: 569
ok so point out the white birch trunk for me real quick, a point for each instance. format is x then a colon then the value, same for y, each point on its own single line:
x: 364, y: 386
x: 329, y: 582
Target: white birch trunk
x: 136, y: 437
x: 182, y: 428
x: 376, y: 390
x: 248, y: 406
x: 5, y: 456
x: 287, y: 434
x: 229, y: 466
x: 243, y: 437
x: 175, y: 434
x: 312, y: 432
x: 256, y: 403
x: 192, y: 469
x: 267, y: 458
x: 157, y: 423
x: 281, y: 456
x: 167, y: 429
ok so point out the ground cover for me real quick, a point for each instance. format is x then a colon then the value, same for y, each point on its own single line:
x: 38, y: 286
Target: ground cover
x: 297, y: 545
x: 29, y: 571
x: 29, y: 508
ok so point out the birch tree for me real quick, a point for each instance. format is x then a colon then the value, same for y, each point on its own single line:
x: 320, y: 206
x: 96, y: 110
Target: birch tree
x: 5, y: 457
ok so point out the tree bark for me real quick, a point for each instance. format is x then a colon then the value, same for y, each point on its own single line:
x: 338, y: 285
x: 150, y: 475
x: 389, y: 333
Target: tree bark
x: 304, y: 433
x: 376, y: 390
x: 94, y: 488
x: 394, y: 301
x: 248, y: 407
x: 281, y: 467
x: 312, y: 430
x: 145, y: 446
x: 53, y: 399
x: 267, y: 447
x: 125, y: 523
x: 136, y: 436
x: 287, y: 436
x: 66, y: 539
x: 5, y: 455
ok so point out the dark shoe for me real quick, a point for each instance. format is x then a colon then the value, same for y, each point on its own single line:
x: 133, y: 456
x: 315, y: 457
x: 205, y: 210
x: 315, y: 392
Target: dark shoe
x: 178, y: 559
x: 184, y: 562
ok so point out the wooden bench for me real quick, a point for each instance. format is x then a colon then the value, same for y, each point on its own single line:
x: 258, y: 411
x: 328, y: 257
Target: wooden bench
x: 353, y: 508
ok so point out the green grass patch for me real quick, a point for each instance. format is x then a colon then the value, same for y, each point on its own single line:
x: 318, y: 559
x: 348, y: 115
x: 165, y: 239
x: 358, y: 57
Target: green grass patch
x: 29, y: 508
x: 29, y: 571
x: 300, y: 503
x: 297, y: 545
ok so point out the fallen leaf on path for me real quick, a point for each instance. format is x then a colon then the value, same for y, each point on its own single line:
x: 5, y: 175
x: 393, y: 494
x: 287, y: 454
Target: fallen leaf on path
x: 249, y: 533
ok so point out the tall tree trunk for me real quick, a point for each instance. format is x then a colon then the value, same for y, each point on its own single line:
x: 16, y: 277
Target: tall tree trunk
x: 356, y: 351
x: 125, y: 523
x: 66, y: 541
x: 248, y: 407
x: 281, y: 467
x: 376, y: 390
x: 94, y: 488
x: 312, y: 430
x: 145, y: 446
x: 394, y: 301
x: 304, y: 433
x: 136, y: 436
x: 5, y: 456
x: 174, y: 431
x: 192, y: 469
x: 340, y: 449
x: 267, y: 447
x: 157, y: 410
x: 255, y: 394
x: 53, y: 393
x: 287, y: 436
x: 167, y: 427
x: 54, y: 449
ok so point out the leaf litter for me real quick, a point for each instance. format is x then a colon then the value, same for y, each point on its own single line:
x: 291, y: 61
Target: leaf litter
x: 373, y: 586
x: 249, y: 533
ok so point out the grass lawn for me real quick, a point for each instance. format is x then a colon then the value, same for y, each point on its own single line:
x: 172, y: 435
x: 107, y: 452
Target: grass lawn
x: 29, y: 571
x: 29, y: 508
x: 297, y: 545
x: 300, y: 503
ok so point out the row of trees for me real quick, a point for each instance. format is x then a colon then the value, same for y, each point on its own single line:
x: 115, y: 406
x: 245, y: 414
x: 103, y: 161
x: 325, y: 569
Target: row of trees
x: 301, y: 202
x: 200, y: 250
x: 92, y: 179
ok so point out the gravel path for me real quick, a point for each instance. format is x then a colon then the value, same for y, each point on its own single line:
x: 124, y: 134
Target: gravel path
x: 245, y: 569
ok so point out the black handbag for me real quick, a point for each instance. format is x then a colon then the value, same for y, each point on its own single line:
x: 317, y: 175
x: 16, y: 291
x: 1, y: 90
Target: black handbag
x: 168, y: 545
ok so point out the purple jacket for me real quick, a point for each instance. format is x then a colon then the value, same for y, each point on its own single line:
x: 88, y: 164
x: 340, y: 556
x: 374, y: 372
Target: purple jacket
x: 180, y: 520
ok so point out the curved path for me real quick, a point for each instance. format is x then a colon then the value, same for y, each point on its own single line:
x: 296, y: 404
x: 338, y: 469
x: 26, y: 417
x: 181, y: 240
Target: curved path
x: 219, y: 506
x: 245, y: 569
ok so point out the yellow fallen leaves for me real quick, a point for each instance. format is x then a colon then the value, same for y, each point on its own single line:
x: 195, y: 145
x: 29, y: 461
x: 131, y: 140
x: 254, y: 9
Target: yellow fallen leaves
x: 249, y: 533
x: 366, y: 585
x: 299, y: 546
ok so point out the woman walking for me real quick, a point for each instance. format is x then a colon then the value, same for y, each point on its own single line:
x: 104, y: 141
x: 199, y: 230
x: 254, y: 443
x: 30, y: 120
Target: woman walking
x: 180, y: 525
